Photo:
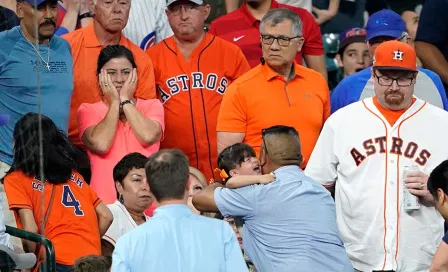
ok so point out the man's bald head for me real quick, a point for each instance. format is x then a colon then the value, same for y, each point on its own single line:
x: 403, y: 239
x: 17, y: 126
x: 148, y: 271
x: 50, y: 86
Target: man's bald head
x: 281, y: 146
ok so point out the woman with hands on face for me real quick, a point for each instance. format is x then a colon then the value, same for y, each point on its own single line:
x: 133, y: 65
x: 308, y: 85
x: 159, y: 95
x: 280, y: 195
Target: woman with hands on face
x: 120, y: 124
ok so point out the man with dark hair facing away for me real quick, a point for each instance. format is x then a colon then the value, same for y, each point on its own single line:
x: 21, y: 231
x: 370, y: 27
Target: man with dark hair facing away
x: 181, y: 240
x: 289, y: 223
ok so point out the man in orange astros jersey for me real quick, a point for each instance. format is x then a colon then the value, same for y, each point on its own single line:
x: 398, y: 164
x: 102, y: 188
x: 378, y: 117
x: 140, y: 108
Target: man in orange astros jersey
x: 192, y: 71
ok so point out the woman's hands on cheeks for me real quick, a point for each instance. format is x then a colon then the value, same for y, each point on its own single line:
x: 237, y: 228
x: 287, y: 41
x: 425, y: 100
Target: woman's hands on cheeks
x: 107, y: 87
x: 128, y: 89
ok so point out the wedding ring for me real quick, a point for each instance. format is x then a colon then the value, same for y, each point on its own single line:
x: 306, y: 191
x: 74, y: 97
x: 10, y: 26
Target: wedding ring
x: 422, y: 186
x: 133, y: 81
x: 106, y: 84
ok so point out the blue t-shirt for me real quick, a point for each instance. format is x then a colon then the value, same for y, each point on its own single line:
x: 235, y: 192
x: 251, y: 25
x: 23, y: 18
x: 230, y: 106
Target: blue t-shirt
x: 359, y: 86
x: 289, y: 224
x: 22, y: 72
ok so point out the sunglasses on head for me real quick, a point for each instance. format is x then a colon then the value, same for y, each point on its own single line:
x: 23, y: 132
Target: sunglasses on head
x: 274, y: 130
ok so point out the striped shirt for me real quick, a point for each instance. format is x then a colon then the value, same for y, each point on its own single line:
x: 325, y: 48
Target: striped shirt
x: 147, y: 24
x: 241, y: 28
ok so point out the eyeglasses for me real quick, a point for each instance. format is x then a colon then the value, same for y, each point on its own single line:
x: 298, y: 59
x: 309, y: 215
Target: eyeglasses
x: 388, y: 81
x: 189, y: 8
x: 282, y: 40
x: 264, y: 151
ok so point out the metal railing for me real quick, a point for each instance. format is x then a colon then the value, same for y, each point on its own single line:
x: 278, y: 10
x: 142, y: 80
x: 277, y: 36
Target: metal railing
x: 49, y: 265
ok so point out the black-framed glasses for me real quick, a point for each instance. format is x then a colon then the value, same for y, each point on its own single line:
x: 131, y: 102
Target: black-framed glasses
x: 388, y: 81
x: 282, y: 40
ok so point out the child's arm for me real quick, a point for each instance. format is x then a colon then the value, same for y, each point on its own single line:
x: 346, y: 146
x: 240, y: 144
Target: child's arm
x: 244, y: 180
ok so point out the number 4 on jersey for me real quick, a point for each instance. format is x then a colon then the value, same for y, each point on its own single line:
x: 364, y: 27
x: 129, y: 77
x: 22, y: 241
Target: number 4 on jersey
x: 69, y: 200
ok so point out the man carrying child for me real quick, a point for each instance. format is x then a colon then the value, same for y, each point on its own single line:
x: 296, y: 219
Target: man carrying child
x: 288, y: 223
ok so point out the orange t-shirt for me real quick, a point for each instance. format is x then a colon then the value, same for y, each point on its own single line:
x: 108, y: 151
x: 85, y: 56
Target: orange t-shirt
x: 85, y: 51
x: 390, y: 115
x: 262, y: 98
x: 191, y: 92
x: 72, y: 224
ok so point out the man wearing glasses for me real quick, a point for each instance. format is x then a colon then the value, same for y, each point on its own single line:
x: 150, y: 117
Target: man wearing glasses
x: 377, y: 154
x: 289, y: 224
x: 278, y: 91
x: 242, y: 27
x: 386, y: 25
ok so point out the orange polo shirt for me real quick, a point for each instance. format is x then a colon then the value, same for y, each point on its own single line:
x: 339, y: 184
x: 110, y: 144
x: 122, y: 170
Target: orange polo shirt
x: 85, y: 51
x: 261, y: 98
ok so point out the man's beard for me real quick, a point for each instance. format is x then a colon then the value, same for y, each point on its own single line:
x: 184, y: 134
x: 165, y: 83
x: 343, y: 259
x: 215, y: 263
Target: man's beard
x: 46, y: 36
x: 395, y: 100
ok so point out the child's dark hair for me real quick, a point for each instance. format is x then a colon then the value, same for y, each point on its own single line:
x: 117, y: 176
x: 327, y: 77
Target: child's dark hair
x: 232, y: 156
x: 438, y: 179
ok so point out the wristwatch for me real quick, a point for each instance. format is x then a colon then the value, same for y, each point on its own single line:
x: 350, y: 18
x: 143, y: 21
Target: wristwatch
x: 85, y: 15
x: 127, y: 102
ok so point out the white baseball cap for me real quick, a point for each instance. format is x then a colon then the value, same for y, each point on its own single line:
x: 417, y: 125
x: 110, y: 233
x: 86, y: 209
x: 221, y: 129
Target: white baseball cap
x: 198, y: 2
x: 12, y: 260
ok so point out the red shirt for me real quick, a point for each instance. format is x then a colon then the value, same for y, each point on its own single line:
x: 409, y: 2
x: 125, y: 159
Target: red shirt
x: 242, y: 29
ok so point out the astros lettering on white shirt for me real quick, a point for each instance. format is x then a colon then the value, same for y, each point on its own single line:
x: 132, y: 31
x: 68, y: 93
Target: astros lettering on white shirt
x: 365, y: 155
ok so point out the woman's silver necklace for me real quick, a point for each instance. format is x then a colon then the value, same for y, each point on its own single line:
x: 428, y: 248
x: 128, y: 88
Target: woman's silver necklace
x: 47, y: 63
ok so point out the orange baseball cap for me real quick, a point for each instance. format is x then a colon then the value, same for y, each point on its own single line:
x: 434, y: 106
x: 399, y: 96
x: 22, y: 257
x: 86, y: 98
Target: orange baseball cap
x: 395, y: 55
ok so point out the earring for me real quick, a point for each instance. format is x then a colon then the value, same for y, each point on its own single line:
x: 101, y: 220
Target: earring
x: 121, y: 199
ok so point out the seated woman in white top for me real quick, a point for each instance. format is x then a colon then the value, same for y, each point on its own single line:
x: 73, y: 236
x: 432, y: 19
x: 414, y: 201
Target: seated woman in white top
x: 133, y: 196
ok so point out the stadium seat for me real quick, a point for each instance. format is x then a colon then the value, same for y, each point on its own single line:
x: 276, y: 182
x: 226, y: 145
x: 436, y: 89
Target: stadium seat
x: 331, y: 44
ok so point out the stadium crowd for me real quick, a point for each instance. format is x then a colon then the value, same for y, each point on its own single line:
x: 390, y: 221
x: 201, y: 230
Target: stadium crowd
x: 224, y: 135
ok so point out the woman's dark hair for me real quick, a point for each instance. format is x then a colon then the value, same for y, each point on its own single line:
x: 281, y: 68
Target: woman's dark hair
x: 127, y: 163
x: 60, y: 157
x: 232, y: 156
x: 113, y: 52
